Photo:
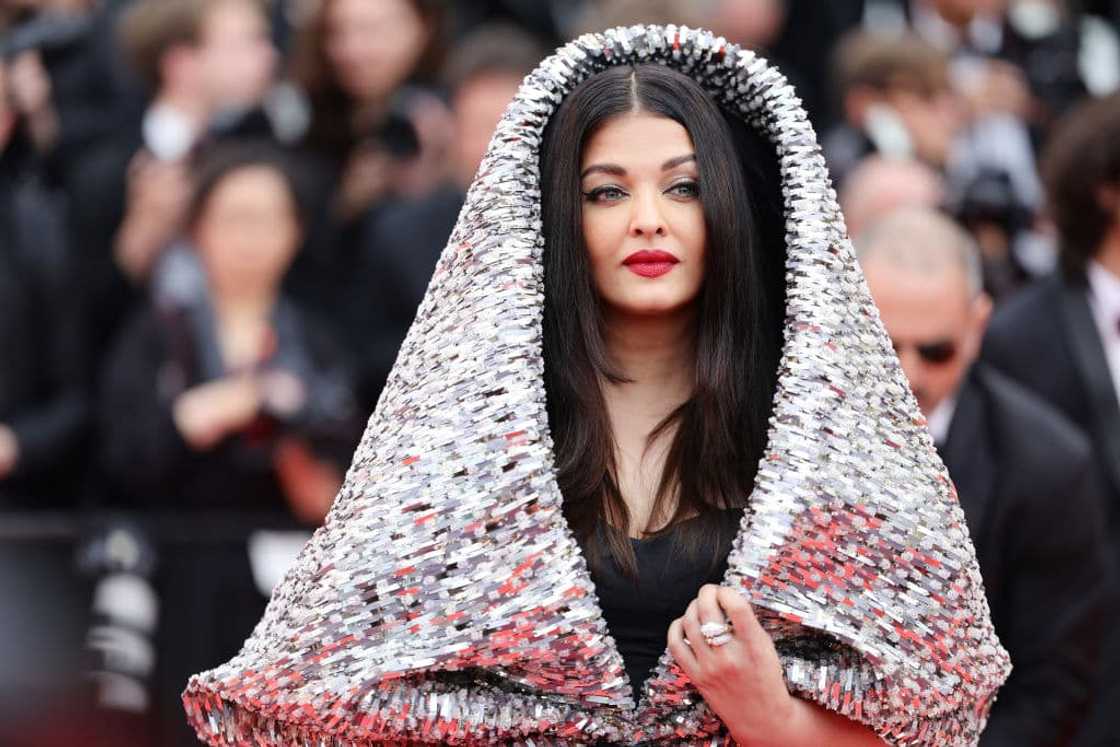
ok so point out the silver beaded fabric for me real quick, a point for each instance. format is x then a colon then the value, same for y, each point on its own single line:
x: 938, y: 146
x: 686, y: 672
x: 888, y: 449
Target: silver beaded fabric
x: 445, y: 600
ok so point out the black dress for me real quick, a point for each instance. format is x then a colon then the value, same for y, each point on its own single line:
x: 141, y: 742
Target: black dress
x: 639, y: 611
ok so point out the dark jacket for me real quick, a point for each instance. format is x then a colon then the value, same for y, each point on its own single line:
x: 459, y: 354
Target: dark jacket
x: 158, y: 356
x: 1046, y: 339
x: 1026, y: 481
x: 41, y: 394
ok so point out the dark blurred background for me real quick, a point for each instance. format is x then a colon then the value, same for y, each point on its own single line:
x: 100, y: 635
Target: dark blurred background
x: 217, y: 218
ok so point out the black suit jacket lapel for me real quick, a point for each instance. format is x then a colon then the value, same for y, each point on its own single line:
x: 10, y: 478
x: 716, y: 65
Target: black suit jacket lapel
x: 969, y: 455
x: 1092, y: 366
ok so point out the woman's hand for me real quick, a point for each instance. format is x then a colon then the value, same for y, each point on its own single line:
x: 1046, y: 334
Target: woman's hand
x: 741, y: 680
x: 29, y: 86
x: 158, y: 192
x: 209, y: 412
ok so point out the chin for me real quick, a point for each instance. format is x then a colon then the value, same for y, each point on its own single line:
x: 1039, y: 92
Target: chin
x: 654, y: 307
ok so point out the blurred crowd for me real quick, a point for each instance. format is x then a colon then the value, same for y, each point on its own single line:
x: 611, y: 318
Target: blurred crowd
x: 217, y: 218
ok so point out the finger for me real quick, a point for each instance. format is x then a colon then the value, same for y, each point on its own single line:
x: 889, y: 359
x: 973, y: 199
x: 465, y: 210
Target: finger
x: 138, y: 164
x: 681, y: 651
x: 691, y: 616
x: 690, y: 622
x: 708, y: 606
x: 739, y: 611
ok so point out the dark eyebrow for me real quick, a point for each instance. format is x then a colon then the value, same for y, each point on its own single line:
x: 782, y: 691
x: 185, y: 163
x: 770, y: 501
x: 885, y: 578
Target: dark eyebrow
x: 616, y: 170
x: 672, y: 163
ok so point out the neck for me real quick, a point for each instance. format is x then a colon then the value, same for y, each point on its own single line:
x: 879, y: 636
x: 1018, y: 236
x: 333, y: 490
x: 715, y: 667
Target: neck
x: 244, y: 307
x: 657, y: 355
x: 1108, y: 253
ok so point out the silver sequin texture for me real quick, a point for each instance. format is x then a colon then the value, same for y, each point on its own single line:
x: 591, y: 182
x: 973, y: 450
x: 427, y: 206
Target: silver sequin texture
x: 445, y: 599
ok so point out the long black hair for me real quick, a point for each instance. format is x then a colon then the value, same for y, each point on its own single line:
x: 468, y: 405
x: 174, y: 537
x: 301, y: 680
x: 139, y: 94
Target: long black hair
x: 721, y: 429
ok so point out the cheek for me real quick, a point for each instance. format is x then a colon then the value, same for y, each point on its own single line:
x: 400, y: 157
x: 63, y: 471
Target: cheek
x: 694, y: 234
x: 691, y: 233
x: 603, y: 233
x: 940, y: 381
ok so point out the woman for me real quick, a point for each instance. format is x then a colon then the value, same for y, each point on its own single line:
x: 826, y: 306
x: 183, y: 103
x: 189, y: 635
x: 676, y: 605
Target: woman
x: 230, y: 411
x: 660, y: 370
x: 375, y: 130
x: 563, y: 399
x: 377, y: 134
x: 233, y: 385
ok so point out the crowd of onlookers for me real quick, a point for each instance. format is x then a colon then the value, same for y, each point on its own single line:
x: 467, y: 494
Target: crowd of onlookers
x: 217, y: 218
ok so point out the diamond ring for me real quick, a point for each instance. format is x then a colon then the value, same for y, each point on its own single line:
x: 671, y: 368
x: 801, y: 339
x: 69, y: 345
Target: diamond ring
x: 713, y: 629
x: 718, y: 640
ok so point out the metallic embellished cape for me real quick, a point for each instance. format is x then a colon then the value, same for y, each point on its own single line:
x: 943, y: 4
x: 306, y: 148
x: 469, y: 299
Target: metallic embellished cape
x: 445, y: 600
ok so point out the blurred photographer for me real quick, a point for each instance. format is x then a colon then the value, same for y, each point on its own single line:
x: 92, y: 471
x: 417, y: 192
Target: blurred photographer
x: 234, y: 411
x: 42, y: 408
x: 236, y: 399
x: 897, y: 101
x: 208, y: 66
x: 379, y: 134
x: 401, y: 242
x: 90, y: 92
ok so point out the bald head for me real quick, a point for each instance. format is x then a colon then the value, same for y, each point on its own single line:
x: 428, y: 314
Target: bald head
x: 879, y: 186
x: 925, y: 277
x: 925, y: 242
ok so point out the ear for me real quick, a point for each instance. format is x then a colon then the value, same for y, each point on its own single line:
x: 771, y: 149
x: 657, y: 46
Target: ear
x: 981, y: 313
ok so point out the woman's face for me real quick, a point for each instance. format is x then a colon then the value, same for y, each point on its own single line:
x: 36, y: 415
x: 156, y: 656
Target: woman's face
x: 643, y: 223
x: 237, y: 57
x: 248, y: 233
x: 373, y: 45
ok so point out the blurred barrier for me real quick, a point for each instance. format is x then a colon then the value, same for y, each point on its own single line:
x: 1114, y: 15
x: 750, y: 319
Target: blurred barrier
x: 102, y: 613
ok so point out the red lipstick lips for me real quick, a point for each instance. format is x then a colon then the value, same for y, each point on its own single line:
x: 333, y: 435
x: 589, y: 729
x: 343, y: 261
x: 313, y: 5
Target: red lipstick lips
x: 650, y: 263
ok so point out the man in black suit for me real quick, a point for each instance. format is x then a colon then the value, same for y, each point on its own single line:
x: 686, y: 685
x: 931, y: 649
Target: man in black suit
x: 1061, y: 337
x: 1023, y: 473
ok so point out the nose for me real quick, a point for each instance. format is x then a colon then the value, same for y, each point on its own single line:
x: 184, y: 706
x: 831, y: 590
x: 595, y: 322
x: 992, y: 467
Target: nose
x: 646, y: 219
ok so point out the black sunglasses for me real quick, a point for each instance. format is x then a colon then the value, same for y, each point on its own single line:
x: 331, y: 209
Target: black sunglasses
x: 937, y: 352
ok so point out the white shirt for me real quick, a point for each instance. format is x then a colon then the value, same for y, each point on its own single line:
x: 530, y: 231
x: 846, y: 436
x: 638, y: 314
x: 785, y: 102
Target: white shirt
x: 1104, y: 300
x: 941, y: 418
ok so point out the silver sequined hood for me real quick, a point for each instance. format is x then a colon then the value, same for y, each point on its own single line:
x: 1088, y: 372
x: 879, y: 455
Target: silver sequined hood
x: 445, y: 600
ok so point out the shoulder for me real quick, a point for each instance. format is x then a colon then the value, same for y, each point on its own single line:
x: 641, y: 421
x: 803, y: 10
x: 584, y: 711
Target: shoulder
x: 142, y: 336
x: 1027, y: 325
x: 397, y: 224
x: 1032, y: 435
x: 316, y: 332
x: 1036, y: 302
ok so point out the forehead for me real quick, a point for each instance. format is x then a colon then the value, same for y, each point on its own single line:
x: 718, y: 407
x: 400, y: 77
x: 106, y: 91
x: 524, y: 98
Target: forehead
x: 343, y: 12
x: 919, y: 305
x: 636, y: 141
x: 229, y: 13
x: 253, y: 183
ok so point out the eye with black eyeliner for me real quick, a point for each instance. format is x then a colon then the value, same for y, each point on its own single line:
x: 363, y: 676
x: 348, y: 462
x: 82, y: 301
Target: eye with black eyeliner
x: 693, y: 188
x: 599, y: 194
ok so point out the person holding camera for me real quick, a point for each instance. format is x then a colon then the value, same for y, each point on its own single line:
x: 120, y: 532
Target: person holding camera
x: 231, y: 412
x: 238, y: 398
x: 207, y: 67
